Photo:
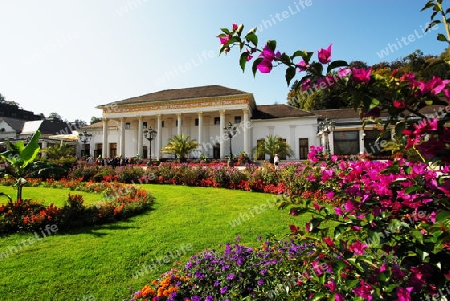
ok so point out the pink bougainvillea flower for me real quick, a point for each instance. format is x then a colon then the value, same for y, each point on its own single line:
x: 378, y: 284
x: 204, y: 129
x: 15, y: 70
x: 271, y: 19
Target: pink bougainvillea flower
x: 343, y: 72
x: 325, y: 55
x: 403, y: 294
x: 306, y: 84
x: 338, y: 211
x: 360, y: 75
x: 265, y: 66
x: 235, y: 26
x: 331, y: 285
x: 303, y: 66
x: 407, y: 77
x: 364, y: 290
x: 434, y: 86
x: 338, y: 297
x: 374, y: 113
x: 430, y: 149
x: 357, y: 247
x: 224, y: 38
x: 426, y: 126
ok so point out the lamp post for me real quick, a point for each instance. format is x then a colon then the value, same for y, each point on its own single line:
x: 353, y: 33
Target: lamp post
x: 84, y: 138
x: 231, y: 132
x: 326, y: 126
x: 150, y: 134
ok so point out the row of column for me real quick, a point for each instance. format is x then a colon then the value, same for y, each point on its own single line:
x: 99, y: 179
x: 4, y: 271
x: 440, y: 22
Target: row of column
x: 158, y: 142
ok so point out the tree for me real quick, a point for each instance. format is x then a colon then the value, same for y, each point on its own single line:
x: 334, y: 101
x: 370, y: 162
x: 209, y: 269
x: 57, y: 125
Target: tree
x: 18, y: 158
x: 80, y: 123
x: 60, y: 153
x: 180, y: 146
x: 55, y: 116
x: 274, y: 145
x: 2, y: 99
x: 95, y: 119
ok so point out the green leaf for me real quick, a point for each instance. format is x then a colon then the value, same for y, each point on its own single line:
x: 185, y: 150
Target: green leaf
x: 30, y: 151
x: 307, y: 56
x: 318, y: 296
x: 290, y: 73
x: 428, y: 5
x: 399, y: 127
x: 418, y: 236
x: 243, y: 60
x: 225, y: 30
x: 271, y: 44
x: 252, y: 38
x: 336, y: 64
x: 442, y: 216
x: 441, y: 37
x: 255, y: 65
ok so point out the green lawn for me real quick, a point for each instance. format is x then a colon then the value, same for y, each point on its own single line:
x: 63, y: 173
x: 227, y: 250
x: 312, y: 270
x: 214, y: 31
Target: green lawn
x: 102, y: 263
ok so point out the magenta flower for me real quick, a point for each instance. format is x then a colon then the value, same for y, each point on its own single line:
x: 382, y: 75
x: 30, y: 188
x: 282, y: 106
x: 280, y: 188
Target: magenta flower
x: 306, y: 84
x: 364, y: 291
x: 338, y: 211
x: 235, y: 26
x: 303, y: 66
x: 360, y: 75
x: 325, y: 55
x: 343, y: 72
x: 426, y: 126
x: 249, y: 57
x: 404, y: 294
x: 265, y: 66
x: 224, y: 38
x: 399, y: 104
x: 338, y: 297
x: 331, y: 285
x: 357, y: 247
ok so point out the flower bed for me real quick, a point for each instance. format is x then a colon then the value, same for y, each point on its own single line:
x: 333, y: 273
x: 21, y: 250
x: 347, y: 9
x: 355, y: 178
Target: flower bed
x: 119, y: 201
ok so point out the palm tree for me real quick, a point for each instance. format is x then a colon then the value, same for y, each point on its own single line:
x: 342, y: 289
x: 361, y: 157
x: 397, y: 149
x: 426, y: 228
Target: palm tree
x: 180, y: 146
x: 274, y: 145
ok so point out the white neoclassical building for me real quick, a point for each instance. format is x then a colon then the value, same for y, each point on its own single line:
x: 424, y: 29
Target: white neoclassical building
x: 203, y: 113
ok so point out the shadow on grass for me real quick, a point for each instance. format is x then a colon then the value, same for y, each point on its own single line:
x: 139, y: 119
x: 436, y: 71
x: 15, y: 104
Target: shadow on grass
x: 96, y: 230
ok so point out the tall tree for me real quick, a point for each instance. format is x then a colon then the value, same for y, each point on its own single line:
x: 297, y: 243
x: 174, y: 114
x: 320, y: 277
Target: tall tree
x: 95, y: 119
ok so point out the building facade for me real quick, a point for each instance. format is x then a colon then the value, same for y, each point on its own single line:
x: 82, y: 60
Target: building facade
x: 203, y: 113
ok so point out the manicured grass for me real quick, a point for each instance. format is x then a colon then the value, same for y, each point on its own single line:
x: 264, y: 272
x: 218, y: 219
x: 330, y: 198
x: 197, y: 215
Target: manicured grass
x: 49, y: 195
x: 101, y: 262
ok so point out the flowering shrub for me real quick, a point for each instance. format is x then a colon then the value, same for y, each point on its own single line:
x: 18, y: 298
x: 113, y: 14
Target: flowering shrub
x: 121, y: 201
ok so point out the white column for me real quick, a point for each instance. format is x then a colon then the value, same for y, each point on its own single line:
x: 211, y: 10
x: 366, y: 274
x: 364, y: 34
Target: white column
x: 331, y: 142
x: 140, y: 137
x: 158, y: 142
x: 222, y: 133
x: 292, y: 142
x: 44, y: 146
x: 200, y: 127
x: 361, y: 141
x: 247, y: 148
x: 179, y: 124
x: 122, y: 137
x: 105, y: 150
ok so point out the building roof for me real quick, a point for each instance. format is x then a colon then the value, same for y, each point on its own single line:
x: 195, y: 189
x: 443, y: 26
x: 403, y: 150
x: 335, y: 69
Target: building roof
x: 99, y: 125
x: 16, y: 124
x: 278, y: 111
x: 180, y: 94
x: 47, y: 127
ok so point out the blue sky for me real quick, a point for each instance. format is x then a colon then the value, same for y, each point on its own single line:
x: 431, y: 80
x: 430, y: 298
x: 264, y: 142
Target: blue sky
x: 70, y: 56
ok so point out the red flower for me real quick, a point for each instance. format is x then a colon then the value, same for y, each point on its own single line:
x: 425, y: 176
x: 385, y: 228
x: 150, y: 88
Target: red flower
x: 294, y: 229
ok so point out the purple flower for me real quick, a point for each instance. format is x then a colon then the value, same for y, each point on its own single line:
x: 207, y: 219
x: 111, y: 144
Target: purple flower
x: 260, y: 282
x: 223, y: 290
x: 230, y: 277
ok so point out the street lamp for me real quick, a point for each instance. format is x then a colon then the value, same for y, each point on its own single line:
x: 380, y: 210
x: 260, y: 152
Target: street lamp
x: 150, y: 134
x: 326, y: 126
x: 231, y: 132
x: 84, y: 138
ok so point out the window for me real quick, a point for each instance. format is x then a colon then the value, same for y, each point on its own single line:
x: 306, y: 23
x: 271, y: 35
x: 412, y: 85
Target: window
x: 112, y: 150
x: 176, y: 123
x: 144, y: 151
x: 144, y: 124
x: 196, y: 121
x: 374, y: 147
x: 303, y: 148
x: 346, y: 142
x: 162, y: 123
x: 216, y: 120
x: 127, y: 126
x: 237, y: 119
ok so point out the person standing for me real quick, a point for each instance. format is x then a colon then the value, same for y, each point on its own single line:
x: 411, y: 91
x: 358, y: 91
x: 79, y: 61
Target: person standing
x: 276, y: 161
